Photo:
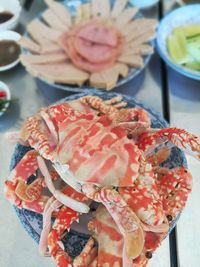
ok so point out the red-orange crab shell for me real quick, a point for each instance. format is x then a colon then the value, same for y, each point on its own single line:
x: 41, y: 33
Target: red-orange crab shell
x: 65, y: 135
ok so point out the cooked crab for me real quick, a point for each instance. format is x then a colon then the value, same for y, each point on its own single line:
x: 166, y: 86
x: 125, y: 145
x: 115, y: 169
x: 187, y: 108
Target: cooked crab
x: 106, y: 151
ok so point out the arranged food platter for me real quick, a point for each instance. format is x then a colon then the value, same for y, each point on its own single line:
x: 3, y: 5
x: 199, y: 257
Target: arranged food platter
x: 171, y: 160
x: 99, y: 44
x: 178, y: 40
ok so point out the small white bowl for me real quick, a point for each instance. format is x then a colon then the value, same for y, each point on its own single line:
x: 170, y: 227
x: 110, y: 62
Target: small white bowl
x: 5, y: 88
x: 15, y: 8
x: 9, y: 35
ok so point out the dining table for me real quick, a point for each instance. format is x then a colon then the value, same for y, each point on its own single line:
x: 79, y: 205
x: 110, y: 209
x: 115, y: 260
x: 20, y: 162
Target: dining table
x: 173, y: 96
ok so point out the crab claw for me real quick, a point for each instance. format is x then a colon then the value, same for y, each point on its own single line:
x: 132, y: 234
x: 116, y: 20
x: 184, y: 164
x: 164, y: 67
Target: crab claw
x: 126, y: 220
x: 187, y: 142
x: 66, y: 200
x: 16, y: 189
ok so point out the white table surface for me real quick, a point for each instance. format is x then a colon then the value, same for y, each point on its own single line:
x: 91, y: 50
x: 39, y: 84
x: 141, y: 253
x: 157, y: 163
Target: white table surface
x: 16, y: 247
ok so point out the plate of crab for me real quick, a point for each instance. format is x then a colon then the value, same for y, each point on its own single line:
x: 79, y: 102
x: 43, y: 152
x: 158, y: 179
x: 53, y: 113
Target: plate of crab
x: 100, y: 179
x: 76, y: 45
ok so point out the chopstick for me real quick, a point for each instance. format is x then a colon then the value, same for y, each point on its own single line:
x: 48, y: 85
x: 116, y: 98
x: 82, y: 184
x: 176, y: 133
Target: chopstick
x: 166, y: 115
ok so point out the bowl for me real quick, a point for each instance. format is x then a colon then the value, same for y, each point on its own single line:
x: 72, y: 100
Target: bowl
x: 143, y: 4
x: 9, y: 35
x: 4, y: 87
x: 14, y: 7
x: 188, y: 14
x: 75, y: 240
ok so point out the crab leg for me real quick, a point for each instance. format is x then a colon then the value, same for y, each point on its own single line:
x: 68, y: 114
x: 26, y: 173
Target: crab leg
x: 178, y: 137
x: 64, y: 218
x: 174, y: 186
x: 51, y: 205
x: 68, y: 201
x: 121, y: 116
x: 87, y: 256
x: 126, y: 220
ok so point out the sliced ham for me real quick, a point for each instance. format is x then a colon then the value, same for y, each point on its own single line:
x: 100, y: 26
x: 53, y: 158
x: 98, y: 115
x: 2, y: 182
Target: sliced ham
x: 60, y: 11
x: 53, y: 21
x: 98, y: 33
x: 118, y: 8
x: 82, y: 63
x: 134, y: 61
x: 100, y: 8
x: 36, y: 27
x: 29, y: 44
x: 125, y: 17
x: 59, y: 73
x: 109, y: 77
x: 95, y: 53
x: 43, y: 59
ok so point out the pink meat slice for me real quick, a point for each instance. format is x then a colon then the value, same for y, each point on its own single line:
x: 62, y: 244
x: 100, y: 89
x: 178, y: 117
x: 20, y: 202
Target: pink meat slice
x: 82, y: 63
x: 94, y: 52
x: 99, y: 33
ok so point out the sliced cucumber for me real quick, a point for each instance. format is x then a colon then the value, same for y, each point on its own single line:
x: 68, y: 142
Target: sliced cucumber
x: 192, y: 30
x: 194, y: 51
x: 177, y: 46
x: 193, y: 65
x: 184, y: 46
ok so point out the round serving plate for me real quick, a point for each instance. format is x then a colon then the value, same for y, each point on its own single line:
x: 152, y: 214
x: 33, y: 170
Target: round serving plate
x: 189, y: 14
x: 133, y: 72
x: 75, y: 240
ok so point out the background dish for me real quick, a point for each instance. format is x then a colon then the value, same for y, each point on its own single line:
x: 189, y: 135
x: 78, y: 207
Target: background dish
x: 5, y: 88
x: 74, y: 241
x: 133, y: 72
x: 14, y: 7
x: 144, y: 3
x: 189, y: 14
x: 9, y: 35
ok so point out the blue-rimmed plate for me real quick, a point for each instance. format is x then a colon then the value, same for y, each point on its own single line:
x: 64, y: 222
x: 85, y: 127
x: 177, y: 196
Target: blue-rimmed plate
x: 74, y: 241
x: 133, y: 72
x: 189, y: 14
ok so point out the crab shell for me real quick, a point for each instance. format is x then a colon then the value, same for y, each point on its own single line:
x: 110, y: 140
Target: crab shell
x: 96, y: 149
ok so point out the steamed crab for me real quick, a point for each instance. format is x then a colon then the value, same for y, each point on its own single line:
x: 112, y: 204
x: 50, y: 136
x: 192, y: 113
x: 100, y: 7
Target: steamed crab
x: 106, y: 152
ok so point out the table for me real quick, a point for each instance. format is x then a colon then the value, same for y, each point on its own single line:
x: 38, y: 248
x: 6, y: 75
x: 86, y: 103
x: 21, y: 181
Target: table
x: 16, y: 247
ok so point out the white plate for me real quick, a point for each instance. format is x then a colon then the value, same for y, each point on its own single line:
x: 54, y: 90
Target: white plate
x: 14, y: 7
x: 9, y: 35
x: 5, y: 88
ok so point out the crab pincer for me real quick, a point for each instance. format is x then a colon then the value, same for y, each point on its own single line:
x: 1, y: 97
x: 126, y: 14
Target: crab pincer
x: 21, y: 193
x: 126, y: 220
